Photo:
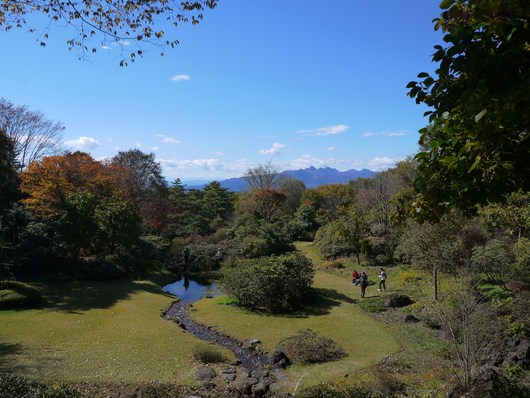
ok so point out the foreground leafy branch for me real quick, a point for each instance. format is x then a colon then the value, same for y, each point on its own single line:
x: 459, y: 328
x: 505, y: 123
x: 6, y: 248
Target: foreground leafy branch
x: 101, y: 22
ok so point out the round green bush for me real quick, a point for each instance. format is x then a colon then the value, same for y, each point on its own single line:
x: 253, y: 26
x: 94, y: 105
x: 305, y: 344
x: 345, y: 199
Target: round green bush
x: 16, y: 295
x: 270, y: 284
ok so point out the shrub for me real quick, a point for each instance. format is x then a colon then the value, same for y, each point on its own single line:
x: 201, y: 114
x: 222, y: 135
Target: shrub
x: 408, y: 277
x: 373, y: 304
x: 397, y: 300
x: 37, y: 249
x: 16, y: 295
x: 208, y: 354
x: 95, y: 269
x: 13, y: 386
x: 203, y: 257
x: 270, y: 284
x: 310, y: 347
x: 337, y: 390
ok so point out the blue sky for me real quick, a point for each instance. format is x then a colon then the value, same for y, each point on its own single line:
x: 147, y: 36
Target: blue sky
x: 297, y: 82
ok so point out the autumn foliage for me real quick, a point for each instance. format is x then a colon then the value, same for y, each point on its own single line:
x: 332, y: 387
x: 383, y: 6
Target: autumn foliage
x: 49, y: 182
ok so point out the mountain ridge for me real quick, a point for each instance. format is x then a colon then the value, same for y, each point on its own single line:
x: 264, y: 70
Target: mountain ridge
x: 312, y: 177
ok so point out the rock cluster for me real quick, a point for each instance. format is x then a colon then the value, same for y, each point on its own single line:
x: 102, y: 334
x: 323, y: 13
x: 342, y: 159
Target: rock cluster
x: 254, y: 374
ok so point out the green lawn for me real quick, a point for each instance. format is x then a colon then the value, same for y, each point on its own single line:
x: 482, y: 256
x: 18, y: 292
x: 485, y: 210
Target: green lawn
x: 97, y: 332
x: 113, y: 332
x: 336, y: 315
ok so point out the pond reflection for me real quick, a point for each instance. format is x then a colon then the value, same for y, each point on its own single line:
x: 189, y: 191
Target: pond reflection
x: 192, y: 289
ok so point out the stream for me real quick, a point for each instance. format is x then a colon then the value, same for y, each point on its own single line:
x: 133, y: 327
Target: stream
x: 189, y: 291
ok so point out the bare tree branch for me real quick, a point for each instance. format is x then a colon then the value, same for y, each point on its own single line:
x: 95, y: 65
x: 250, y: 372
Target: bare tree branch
x: 33, y: 135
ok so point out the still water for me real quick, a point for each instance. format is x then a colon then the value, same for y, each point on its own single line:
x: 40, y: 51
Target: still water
x: 189, y: 289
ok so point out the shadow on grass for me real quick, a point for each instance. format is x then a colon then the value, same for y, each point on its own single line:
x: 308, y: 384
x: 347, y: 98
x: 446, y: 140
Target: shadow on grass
x: 8, y: 355
x: 74, y: 296
x: 321, y: 302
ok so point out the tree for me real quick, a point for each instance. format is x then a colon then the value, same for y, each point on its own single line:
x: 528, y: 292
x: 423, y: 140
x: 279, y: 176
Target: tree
x: 265, y: 199
x: 263, y: 176
x: 77, y: 225
x: 140, y: 175
x: 293, y: 190
x: 217, y: 204
x: 8, y: 177
x: 495, y: 260
x: 512, y: 215
x: 156, y: 213
x: 352, y: 226
x: 47, y: 183
x: 105, y: 22
x: 33, y: 135
x: 432, y: 246
x: 471, y: 326
x: 118, y: 223
x: 476, y: 148
x: 267, y: 203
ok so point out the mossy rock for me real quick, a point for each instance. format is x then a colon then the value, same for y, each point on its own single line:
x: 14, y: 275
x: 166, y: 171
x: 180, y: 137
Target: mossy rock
x: 16, y: 295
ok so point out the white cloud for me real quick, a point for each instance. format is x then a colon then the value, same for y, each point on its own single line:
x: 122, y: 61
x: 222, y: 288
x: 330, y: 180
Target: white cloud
x: 274, y: 150
x: 178, y: 78
x: 329, y: 130
x: 154, y: 148
x: 169, y: 140
x: 220, y: 153
x: 367, y: 134
x: 83, y: 143
x: 379, y: 164
x: 330, y: 148
x: 209, y: 169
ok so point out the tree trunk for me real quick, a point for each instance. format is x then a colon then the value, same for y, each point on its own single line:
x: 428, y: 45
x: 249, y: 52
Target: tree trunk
x: 435, y: 282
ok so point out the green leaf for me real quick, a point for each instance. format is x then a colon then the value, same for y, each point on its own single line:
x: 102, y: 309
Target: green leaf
x: 445, y: 4
x: 480, y: 115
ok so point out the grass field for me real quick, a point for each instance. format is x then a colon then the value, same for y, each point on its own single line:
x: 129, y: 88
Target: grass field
x: 113, y: 331
x: 97, y: 332
x: 335, y: 315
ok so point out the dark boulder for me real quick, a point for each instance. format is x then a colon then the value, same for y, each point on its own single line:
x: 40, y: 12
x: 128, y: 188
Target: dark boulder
x: 409, y: 318
x: 397, y: 300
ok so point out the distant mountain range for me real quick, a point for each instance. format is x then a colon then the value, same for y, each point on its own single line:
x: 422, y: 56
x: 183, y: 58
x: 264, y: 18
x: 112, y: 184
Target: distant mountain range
x: 311, y: 177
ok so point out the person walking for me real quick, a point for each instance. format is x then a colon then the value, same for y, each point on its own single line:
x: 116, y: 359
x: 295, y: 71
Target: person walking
x: 355, y: 277
x: 382, y: 280
x: 363, y: 281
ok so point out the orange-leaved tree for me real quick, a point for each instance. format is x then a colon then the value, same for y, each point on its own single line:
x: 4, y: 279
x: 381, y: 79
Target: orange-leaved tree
x: 49, y: 182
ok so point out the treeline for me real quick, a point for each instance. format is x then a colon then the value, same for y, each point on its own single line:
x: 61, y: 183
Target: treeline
x: 69, y: 213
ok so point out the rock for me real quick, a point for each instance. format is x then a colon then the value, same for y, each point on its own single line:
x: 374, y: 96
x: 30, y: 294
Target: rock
x: 259, y: 373
x: 397, y: 300
x: 259, y: 390
x: 208, y: 385
x: 274, y: 387
x: 229, y: 377
x: 251, y: 343
x: 205, y: 374
x: 409, y: 318
x: 279, y: 359
x: 245, y: 385
x: 229, y: 369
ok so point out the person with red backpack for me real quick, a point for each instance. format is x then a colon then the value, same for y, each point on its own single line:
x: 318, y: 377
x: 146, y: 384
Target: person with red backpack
x: 355, y: 277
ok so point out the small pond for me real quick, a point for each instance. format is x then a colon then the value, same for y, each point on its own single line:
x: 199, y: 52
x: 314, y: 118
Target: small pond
x: 192, y: 288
